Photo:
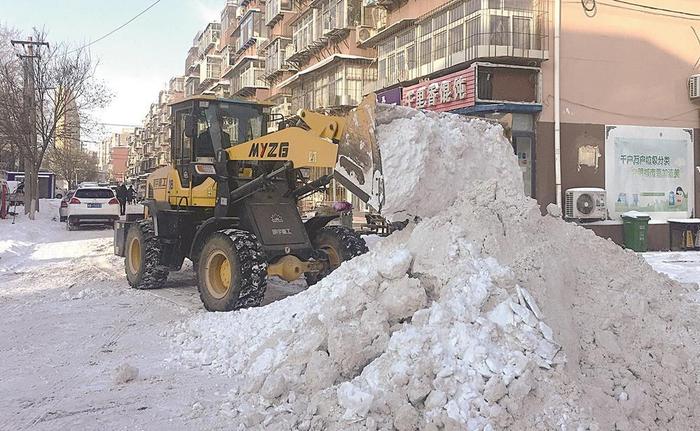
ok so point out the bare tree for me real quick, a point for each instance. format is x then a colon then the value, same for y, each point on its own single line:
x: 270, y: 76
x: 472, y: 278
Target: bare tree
x: 72, y: 163
x: 9, y: 157
x: 44, y: 95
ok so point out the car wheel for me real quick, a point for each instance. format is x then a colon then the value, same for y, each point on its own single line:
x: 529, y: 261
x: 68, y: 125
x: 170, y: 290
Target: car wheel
x: 70, y: 226
x: 62, y: 219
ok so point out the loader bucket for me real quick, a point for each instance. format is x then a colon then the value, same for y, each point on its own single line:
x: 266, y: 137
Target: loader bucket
x: 359, y: 166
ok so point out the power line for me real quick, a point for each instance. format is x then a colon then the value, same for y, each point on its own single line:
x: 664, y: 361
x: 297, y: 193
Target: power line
x: 660, y: 9
x: 590, y: 6
x: 117, y: 125
x: 116, y: 29
x: 644, y: 117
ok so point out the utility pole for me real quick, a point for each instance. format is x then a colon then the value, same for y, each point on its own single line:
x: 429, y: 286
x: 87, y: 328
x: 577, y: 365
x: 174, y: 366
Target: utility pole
x: 31, y: 180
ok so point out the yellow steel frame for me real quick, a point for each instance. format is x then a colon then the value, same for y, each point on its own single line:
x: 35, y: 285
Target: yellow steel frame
x: 312, y: 148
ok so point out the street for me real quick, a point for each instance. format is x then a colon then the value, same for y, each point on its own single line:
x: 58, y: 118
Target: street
x: 70, y: 320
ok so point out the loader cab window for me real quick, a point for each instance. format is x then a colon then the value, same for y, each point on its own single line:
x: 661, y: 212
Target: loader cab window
x: 181, y: 150
x: 212, y: 125
x: 237, y: 122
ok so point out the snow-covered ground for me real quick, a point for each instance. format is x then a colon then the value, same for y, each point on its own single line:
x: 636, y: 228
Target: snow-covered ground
x: 683, y: 266
x: 69, y: 320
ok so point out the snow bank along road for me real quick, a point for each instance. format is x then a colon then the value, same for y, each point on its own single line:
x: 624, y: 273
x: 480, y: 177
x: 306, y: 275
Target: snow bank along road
x: 482, y: 316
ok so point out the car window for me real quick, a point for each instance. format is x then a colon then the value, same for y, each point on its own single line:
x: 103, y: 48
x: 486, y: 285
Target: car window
x: 94, y: 193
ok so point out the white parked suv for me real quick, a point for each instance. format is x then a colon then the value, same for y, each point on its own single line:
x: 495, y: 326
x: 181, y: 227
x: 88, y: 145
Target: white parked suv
x: 92, y: 205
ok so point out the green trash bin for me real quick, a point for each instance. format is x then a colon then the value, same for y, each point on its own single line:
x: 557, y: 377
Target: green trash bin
x: 636, y: 228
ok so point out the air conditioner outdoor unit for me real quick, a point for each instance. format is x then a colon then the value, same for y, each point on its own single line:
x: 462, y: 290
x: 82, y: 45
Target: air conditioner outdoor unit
x: 694, y: 87
x: 364, y: 33
x: 585, y: 203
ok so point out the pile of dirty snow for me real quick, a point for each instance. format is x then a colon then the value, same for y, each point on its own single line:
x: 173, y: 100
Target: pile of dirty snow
x: 483, y: 315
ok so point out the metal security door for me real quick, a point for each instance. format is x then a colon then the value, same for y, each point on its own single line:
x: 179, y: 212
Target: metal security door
x: 524, y: 150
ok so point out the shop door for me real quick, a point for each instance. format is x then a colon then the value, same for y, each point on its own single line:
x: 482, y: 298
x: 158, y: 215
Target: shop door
x: 522, y: 142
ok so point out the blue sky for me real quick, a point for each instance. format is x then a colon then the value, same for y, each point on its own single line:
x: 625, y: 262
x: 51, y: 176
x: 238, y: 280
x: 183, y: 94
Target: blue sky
x: 137, y: 61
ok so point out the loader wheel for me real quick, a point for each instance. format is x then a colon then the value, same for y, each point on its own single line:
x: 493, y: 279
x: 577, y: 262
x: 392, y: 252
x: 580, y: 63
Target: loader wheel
x: 142, y: 262
x: 339, y: 243
x: 231, y: 271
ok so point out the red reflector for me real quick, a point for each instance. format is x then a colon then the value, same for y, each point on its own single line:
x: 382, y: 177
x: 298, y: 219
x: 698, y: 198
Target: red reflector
x: 74, y: 201
x: 114, y: 201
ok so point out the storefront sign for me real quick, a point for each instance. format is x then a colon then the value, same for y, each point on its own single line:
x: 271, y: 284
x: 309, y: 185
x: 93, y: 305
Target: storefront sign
x: 649, y: 169
x: 442, y: 94
x: 390, y: 97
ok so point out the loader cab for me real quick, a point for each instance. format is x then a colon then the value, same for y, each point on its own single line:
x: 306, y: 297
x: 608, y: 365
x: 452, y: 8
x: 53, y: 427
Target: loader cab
x: 202, y: 126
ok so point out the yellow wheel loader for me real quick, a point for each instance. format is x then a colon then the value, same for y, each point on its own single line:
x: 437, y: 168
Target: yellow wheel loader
x: 229, y: 200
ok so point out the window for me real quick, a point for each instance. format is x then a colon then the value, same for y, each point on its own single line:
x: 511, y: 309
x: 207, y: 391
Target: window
x: 457, y: 12
x: 500, y: 30
x: 426, y: 28
x: 411, y: 56
x: 388, y: 47
x: 382, y: 69
x: 401, y: 61
x: 518, y: 4
x: 473, y: 31
x: 425, y: 52
x: 405, y: 38
x: 494, y: 4
x: 521, y: 32
x: 473, y: 6
x: 456, y: 39
x: 440, y: 45
x: 440, y: 21
x: 391, y: 72
x: 94, y: 193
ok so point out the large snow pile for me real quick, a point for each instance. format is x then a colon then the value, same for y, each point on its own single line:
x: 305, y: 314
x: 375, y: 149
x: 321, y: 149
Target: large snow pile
x: 483, y: 315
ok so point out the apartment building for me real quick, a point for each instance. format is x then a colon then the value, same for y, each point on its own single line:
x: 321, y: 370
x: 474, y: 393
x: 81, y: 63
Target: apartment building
x: 105, y: 154
x: 244, y: 33
x: 68, y: 128
x: 150, y: 147
x: 203, y: 62
x: 118, y: 164
x: 623, y: 116
x: 332, y: 70
x: 472, y: 57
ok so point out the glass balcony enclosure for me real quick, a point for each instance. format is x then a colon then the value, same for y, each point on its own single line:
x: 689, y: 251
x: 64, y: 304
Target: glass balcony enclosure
x: 274, y: 10
x: 469, y: 30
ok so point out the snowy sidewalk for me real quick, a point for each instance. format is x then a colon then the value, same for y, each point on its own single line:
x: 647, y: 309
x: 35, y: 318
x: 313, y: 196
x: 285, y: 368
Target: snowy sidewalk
x: 683, y: 266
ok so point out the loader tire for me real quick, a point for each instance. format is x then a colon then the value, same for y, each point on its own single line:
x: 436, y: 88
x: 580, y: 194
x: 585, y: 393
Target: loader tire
x: 339, y: 244
x: 231, y: 271
x: 142, y: 261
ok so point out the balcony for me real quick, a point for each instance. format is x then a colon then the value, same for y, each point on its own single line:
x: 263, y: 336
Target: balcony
x: 387, y: 4
x: 248, y: 78
x: 210, y: 69
x: 274, y: 11
x: 191, y: 60
x: 249, y: 31
x: 276, y: 58
x: 504, y: 31
x: 192, y: 85
x: 209, y: 37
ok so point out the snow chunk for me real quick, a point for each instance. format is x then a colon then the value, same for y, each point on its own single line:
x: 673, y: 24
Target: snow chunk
x: 125, y: 373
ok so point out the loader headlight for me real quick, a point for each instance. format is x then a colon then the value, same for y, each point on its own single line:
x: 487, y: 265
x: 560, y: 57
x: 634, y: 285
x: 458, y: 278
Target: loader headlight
x: 205, y: 169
